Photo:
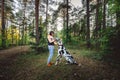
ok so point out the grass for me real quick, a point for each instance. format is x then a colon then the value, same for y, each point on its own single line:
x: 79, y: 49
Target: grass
x: 82, y: 51
x: 31, y: 66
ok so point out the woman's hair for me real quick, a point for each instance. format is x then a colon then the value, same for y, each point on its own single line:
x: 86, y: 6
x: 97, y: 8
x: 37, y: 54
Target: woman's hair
x: 51, y: 32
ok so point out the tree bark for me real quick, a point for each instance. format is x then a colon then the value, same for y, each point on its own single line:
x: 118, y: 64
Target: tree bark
x: 67, y: 17
x: 37, y: 21
x: 104, y: 14
x: 46, y: 15
x: 23, y: 29
x: 117, y: 14
x: 118, y: 19
x: 97, y: 14
x: 3, y: 26
x: 12, y: 36
x: 19, y: 36
x: 88, y: 24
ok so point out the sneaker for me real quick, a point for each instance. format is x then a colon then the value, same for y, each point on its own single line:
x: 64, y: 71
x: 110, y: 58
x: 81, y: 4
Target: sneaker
x: 49, y: 65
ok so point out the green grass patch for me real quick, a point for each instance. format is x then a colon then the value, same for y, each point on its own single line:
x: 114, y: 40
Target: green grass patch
x: 82, y: 51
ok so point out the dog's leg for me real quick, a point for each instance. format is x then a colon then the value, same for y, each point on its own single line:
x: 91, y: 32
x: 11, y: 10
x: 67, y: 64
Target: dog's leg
x: 59, y: 57
x: 67, y: 59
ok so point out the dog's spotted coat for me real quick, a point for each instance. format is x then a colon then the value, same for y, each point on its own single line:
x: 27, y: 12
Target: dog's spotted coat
x: 63, y: 52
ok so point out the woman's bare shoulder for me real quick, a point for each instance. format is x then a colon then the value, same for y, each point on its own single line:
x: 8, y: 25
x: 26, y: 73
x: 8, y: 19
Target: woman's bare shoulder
x: 49, y: 36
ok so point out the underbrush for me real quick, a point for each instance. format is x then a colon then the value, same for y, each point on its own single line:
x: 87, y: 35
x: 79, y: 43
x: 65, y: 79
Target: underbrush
x: 83, y: 51
x: 101, y: 55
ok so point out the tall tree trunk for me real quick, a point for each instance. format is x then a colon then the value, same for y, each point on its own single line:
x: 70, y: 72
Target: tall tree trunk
x: 117, y: 3
x: 22, y: 41
x: 26, y: 34
x: 97, y: 19
x: 33, y: 26
x: 46, y: 15
x: 23, y: 31
x: 67, y: 18
x: 88, y: 24
x: 118, y: 19
x: 12, y: 36
x: 37, y: 22
x: 3, y: 26
x: 104, y: 14
x: 97, y: 24
x: 64, y: 20
x: 19, y: 35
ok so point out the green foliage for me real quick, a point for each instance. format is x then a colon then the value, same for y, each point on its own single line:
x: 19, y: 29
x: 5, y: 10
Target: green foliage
x: 76, y: 33
x: 110, y: 39
x: 114, y: 6
x: 42, y: 38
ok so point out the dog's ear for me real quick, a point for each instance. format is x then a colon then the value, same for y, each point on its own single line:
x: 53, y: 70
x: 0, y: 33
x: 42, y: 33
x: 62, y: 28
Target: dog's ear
x: 57, y: 39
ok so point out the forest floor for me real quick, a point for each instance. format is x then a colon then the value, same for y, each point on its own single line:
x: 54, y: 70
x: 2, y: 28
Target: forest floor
x: 20, y: 63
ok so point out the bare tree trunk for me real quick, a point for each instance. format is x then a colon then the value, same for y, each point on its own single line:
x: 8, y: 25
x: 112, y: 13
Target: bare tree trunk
x: 3, y: 26
x: 118, y: 19
x: 46, y: 15
x: 33, y: 26
x: 117, y: 14
x: 67, y: 18
x: 23, y: 29
x: 19, y: 35
x: 104, y: 14
x: 64, y: 19
x: 98, y: 24
x: 97, y: 20
x: 26, y: 34
x: 12, y: 36
x: 22, y: 41
x: 88, y: 24
x: 37, y: 22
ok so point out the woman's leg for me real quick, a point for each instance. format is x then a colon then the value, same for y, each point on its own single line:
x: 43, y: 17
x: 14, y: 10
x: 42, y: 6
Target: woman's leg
x: 51, y: 51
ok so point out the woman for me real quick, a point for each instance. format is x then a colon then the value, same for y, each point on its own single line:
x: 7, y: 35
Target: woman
x: 51, y: 42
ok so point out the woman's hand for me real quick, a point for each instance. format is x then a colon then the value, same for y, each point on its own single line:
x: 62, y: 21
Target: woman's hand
x: 55, y: 42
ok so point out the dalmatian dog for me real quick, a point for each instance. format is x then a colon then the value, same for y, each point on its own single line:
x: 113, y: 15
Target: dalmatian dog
x: 62, y: 52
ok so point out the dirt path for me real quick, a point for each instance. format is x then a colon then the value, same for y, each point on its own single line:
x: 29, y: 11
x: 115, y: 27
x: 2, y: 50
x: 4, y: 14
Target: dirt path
x: 13, y: 51
x: 7, y: 61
